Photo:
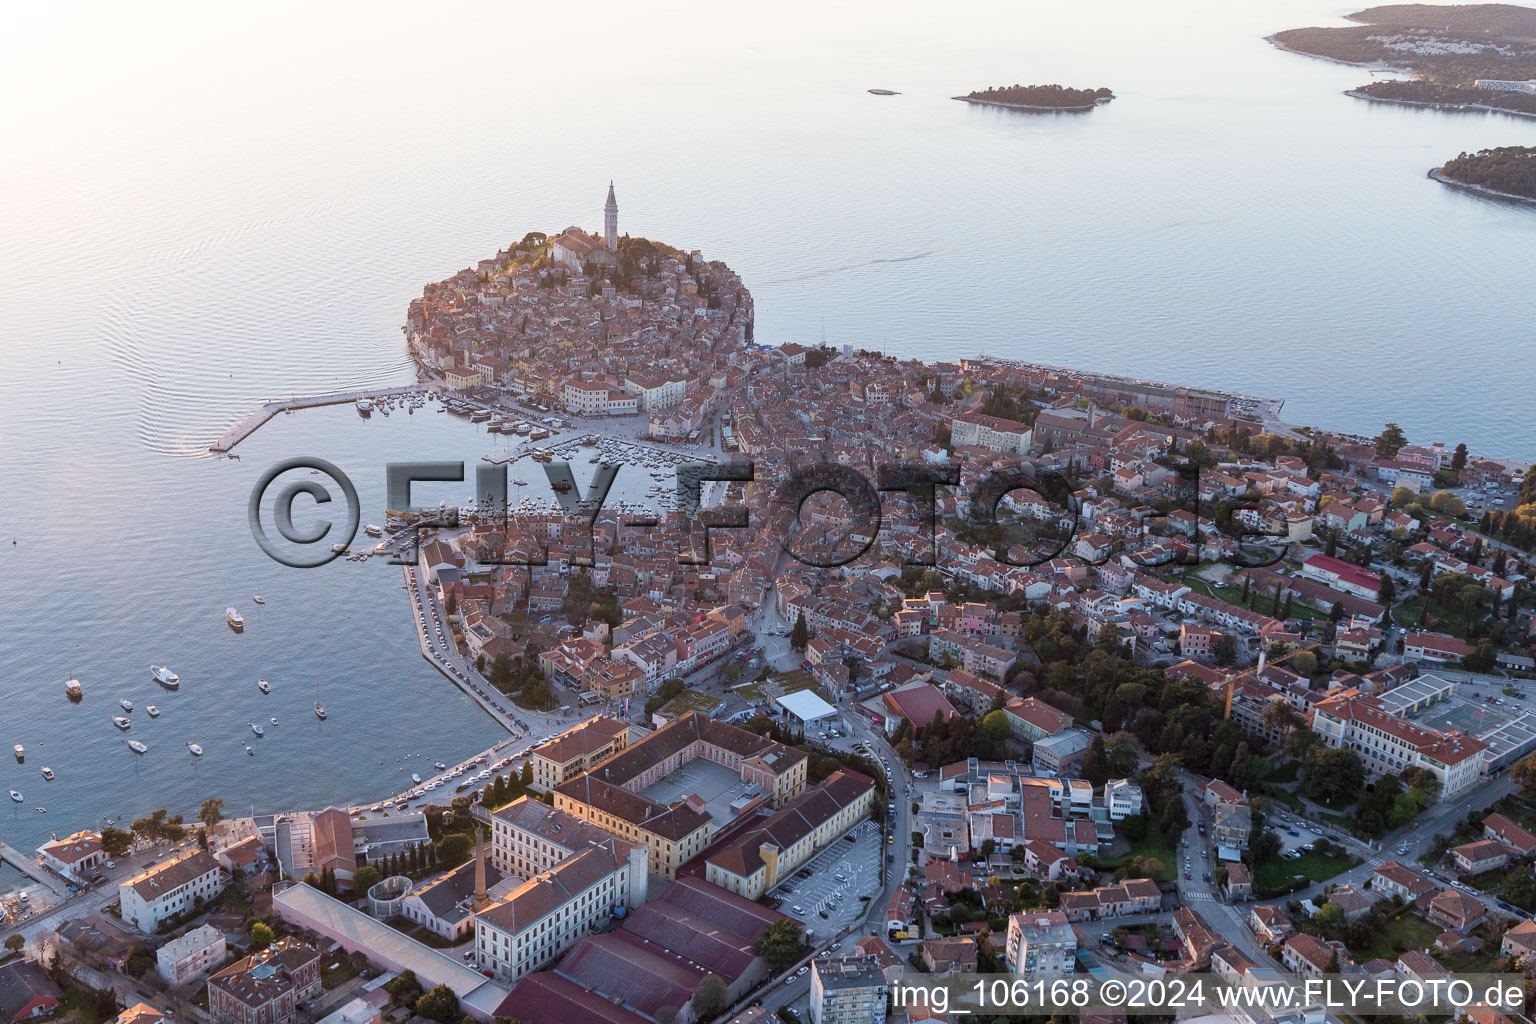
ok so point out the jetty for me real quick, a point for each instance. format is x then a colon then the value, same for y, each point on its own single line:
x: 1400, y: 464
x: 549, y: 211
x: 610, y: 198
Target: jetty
x: 257, y: 419
x: 30, y: 867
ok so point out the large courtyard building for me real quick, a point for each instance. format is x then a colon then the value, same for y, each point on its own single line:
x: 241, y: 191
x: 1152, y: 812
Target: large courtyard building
x: 642, y: 794
x: 1388, y: 742
x: 577, y: 749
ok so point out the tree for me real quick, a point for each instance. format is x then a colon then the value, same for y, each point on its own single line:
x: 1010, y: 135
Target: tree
x: 1524, y: 773
x: 1447, y: 504
x: 1096, y: 761
x: 441, y: 1005
x: 261, y: 935
x: 454, y: 849
x: 212, y: 811
x: 712, y: 997
x: 799, y: 636
x: 781, y: 944
x: 501, y: 672
x: 1390, y: 441
x: 1459, y: 458
x: 115, y: 842
x: 1304, y: 663
x: 15, y: 943
x: 1386, y: 592
x: 526, y: 776
x: 1224, y: 650
x: 365, y: 878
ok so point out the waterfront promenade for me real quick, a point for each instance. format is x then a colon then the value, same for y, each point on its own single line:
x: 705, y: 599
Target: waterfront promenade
x: 30, y: 867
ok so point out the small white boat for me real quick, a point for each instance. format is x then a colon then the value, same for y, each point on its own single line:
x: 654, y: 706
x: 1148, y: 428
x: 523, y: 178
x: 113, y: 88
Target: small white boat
x: 234, y: 618
x: 120, y: 722
x: 257, y: 729
x: 274, y: 721
x: 137, y: 747
x: 197, y: 751
x: 439, y: 766
x: 258, y: 599
x: 154, y: 712
x: 263, y: 686
x: 320, y: 711
x: 165, y: 677
x: 47, y: 773
x: 16, y: 796
x: 126, y: 705
x: 373, y: 531
x: 339, y: 549
x: 251, y: 751
x: 20, y: 752
x: 416, y: 778
x: 73, y: 690
x: 364, y: 406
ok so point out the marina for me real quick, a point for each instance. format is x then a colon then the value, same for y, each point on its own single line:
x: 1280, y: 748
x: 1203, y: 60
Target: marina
x: 226, y: 441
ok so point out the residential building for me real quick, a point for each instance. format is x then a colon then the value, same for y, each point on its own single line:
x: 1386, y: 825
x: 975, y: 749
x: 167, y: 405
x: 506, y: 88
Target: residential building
x: 267, y: 987
x: 26, y: 992
x: 848, y: 990
x: 1040, y: 943
x: 576, y: 749
x: 75, y: 857
x: 189, y: 957
x: 165, y: 890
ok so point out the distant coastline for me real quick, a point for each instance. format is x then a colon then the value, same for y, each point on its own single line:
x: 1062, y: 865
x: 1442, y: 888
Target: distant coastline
x: 1438, y: 173
x: 1466, y: 107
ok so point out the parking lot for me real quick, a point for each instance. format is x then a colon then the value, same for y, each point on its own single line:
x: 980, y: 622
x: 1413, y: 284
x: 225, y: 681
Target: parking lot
x: 827, y: 892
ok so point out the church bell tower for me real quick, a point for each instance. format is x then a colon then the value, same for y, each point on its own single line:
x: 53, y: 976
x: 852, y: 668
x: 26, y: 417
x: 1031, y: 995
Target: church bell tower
x: 611, y: 221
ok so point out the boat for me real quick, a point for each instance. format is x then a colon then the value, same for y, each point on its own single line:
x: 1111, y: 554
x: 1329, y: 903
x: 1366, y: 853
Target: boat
x: 251, y: 751
x: 274, y: 721
x: 258, y: 599
x: 373, y: 530
x: 137, y: 747
x: 154, y: 712
x: 364, y: 407
x: 561, y: 485
x: 416, y: 778
x: 73, y: 690
x: 197, y: 751
x: 126, y: 705
x: 320, y: 711
x: 41, y: 810
x: 121, y: 722
x: 543, y: 457
x: 16, y: 796
x: 339, y: 549
x: 20, y: 752
x: 165, y: 677
x: 256, y: 729
x: 47, y: 773
x: 234, y: 618
x: 439, y: 765
x: 263, y: 686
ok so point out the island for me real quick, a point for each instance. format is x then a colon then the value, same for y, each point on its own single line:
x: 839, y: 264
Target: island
x: 1039, y: 97
x: 1508, y: 172
x: 1464, y: 57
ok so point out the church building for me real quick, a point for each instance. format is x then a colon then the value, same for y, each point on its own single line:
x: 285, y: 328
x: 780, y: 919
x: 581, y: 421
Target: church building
x: 574, y: 248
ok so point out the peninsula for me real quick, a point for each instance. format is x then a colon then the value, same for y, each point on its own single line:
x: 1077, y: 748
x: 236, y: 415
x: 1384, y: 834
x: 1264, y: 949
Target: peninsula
x: 1038, y: 97
x: 1463, y: 57
x: 1508, y: 172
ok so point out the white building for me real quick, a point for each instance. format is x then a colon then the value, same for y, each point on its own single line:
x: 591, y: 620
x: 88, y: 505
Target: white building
x: 529, y: 837
x: 168, y: 889
x: 657, y: 391
x: 539, y: 920
x: 848, y: 990
x: 75, y: 857
x: 1040, y: 943
x: 990, y: 432
x: 1123, y: 798
x: 1500, y: 85
x: 1387, y: 743
x: 194, y: 954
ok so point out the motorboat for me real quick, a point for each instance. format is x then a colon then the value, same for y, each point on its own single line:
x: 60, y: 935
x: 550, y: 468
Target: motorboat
x: 154, y: 712
x: 364, y: 407
x: 126, y: 705
x: 274, y: 721
x: 73, y: 690
x: 16, y: 796
x: 137, y: 747
x: 439, y: 766
x: 20, y: 752
x: 339, y: 549
x: 197, y: 750
x: 234, y: 618
x: 373, y: 530
x: 258, y: 599
x: 320, y: 711
x: 416, y: 778
x: 263, y: 686
x: 165, y: 677
x: 257, y: 729
x: 121, y: 722
x: 251, y: 751
x: 47, y: 773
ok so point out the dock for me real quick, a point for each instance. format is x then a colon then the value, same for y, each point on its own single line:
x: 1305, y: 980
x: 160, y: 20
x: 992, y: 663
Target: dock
x: 30, y: 867
x: 257, y: 419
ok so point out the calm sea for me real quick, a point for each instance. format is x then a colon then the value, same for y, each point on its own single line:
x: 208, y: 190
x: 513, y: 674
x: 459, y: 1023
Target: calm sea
x: 204, y: 208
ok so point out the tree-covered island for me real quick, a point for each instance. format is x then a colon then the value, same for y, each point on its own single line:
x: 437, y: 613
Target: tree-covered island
x: 1039, y: 97
x: 1508, y: 170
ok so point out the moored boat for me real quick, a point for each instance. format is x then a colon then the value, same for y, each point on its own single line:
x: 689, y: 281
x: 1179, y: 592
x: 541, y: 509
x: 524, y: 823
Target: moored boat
x: 364, y: 406
x: 137, y: 747
x: 197, y: 751
x: 47, y: 773
x: 373, y: 530
x: 320, y: 711
x: 256, y: 729
x: 263, y: 686
x: 416, y: 778
x: 16, y: 796
x: 73, y: 690
x: 165, y: 677
x: 154, y: 712
x: 121, y: 722
x: 234, y: 618
x: 20, y: 752
x: 258, y: 599
x: 126, y: 705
